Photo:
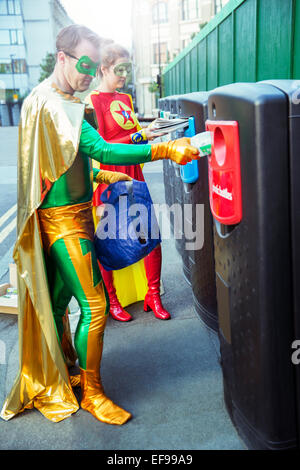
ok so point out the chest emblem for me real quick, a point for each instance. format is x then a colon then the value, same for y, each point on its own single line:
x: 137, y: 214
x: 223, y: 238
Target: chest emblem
x: 123, y: 115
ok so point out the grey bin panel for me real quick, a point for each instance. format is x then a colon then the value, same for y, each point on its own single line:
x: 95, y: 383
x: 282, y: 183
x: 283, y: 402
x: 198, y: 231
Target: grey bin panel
x: 199, y: 264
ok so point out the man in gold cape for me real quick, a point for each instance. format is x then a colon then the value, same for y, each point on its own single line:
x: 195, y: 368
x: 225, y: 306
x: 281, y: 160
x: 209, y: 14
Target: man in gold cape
x: 54, y: 251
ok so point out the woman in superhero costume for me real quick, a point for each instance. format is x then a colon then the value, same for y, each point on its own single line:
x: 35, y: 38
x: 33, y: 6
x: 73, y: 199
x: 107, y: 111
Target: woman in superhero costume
x: 117, y: 123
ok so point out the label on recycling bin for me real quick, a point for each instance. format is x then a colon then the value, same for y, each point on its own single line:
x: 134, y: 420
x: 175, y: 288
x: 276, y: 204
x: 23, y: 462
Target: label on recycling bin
x: 224, y: 172
x: 203, y: 142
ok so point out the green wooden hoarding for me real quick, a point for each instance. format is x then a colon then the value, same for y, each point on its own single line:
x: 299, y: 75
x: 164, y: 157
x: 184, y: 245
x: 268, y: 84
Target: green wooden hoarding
x: 248, y: 41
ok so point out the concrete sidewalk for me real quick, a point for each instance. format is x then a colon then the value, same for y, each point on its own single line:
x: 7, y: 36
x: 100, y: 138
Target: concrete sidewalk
x: 167, y: 374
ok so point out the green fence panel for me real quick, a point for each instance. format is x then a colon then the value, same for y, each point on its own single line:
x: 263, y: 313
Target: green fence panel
x: 274, y: 31
x: 245, y: 17
x: 225, y: 44
x: 212, y: 60
x: 166, y: 84
x: 173, y: 75
x: 177, y: 78
x: 202, y: 65
x: 181, y: 87
x: 296, y: 41
x: 194, y: 69
x: 249, y: 40
x: 187, y: 73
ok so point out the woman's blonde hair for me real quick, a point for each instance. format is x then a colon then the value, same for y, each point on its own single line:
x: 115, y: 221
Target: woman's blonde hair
x: 109, y: 54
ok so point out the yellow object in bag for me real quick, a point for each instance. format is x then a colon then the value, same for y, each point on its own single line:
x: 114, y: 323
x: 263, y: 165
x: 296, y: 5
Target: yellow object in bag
x: 130, y: 283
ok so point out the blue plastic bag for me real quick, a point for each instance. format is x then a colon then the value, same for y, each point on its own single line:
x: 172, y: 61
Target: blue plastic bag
x: 128, y: 230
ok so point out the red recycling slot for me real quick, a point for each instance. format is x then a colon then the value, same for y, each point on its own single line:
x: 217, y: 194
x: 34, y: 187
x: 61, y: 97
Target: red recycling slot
x: 224, y: 172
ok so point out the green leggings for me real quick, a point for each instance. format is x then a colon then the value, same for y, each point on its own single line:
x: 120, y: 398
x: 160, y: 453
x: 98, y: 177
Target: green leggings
x: 73, y: 270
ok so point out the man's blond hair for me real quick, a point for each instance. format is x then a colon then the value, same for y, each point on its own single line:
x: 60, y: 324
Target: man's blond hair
x: 70, y: 36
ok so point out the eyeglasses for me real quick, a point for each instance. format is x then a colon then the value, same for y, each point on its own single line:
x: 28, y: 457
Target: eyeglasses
x: 123, y: 69
x: 85, y: 65
x: 70, y: 55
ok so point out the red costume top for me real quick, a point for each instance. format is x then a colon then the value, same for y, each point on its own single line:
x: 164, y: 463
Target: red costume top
x: 117, y: 123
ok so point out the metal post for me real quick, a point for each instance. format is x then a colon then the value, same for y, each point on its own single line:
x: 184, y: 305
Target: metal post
x: 215, y: 7
x: 159, y: 59
x: 13, y: 73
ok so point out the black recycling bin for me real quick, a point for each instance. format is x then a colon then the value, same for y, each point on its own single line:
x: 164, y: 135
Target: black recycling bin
x: 179, y: 216
x: 175, y: 184
x: 199, y: 263
x: 170, y: 170
x: 250, y: 199
x: 291, y: 88
x: 162, y: 105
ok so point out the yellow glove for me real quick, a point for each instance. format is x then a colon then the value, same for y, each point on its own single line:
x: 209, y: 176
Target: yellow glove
x: 180, y: 151
x: 108, y: 177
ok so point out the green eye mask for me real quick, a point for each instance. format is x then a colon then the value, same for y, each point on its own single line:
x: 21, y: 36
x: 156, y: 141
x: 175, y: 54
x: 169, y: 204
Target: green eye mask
x: 123, y: 69
x: 86, y: 66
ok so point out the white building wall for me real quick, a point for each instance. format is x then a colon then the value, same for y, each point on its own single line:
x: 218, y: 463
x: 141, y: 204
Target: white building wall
x: 40, y: 21
x: 142, y: 49
x: 58, y: 17
x: 9, y: 52
x: 176, y: 32
x: 38, y: 36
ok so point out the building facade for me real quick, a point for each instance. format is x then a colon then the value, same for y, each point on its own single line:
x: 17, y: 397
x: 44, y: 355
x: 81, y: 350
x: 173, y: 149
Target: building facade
x: 161, y: 29
x: 28, y: 29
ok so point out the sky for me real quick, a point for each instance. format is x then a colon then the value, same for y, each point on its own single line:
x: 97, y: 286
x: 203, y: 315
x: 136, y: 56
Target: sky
x: 109, y: 18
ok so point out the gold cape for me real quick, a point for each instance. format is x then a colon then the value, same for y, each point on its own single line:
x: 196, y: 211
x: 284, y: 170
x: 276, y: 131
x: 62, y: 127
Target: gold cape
x: 49, y: 133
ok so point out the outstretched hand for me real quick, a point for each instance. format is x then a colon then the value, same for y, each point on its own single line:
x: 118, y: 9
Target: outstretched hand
x: 182, y: 151
x: 109, y: 177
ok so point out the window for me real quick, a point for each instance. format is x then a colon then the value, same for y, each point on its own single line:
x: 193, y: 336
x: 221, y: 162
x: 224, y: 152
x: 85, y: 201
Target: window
x: 160, y: 51
x: 184, y: 43
x: 20, y: 36
x: 11, y: 36
x: 184, y: 10
x: 194, y: 9
x: 10, y: 7
x: 5, y: 66
x: 15, y: 65
x: 19, y: 66
x: 219, y: 5
x: 3, y: 7
x: 189, y: 9
x: 17, y: 7
x: 160, y: 13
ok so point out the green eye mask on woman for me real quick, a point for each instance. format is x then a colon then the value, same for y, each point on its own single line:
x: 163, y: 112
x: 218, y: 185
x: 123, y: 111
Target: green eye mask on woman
x: 123, y: 69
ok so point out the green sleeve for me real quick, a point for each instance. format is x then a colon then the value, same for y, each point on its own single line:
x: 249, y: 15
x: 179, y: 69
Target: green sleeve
x: 95, y: 173
x: 93, y: 145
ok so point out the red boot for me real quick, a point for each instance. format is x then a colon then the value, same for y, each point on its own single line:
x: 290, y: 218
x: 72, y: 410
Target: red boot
x: 152, y: 300
x: 116, y: 310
